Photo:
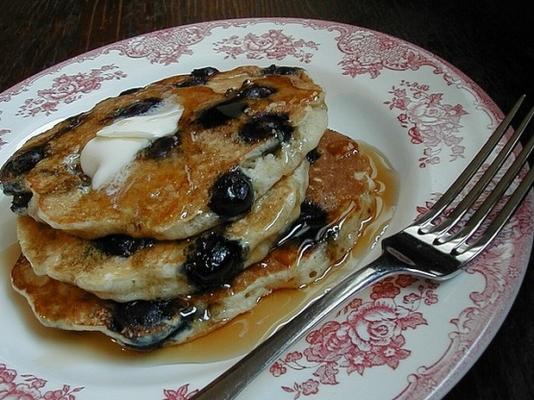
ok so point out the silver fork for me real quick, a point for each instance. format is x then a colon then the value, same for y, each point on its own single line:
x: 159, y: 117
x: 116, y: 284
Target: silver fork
x: 426, y: 249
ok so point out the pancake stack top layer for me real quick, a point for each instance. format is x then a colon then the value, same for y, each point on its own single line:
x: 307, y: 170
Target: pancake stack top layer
x: 246, y: 195
x: 240, y: 131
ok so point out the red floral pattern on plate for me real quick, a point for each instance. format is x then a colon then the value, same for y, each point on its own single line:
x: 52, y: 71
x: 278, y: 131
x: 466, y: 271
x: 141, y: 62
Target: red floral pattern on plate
x: 182, y: 393
x: 2, y: 133
x: 160, y: 47
x: 9, y: 93
x: 430, y: 122
x: 369, y: 335
x: 67, y: 89
x: 273, y: 45
x: 163, y: 47
x: 29, y: 387
x: 369, y: 53
x: 465, y: 336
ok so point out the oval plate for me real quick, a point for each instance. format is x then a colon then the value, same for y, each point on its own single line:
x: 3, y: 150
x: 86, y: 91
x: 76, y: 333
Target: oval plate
x: 426, y: 117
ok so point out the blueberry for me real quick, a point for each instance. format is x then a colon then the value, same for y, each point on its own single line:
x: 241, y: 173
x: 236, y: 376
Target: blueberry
x: 232, y: 195
x: 256, y: 92
x: 221, y: 113
x: 129, y: 91
x: 279, y: 70
x: 312, y: 215
x: 142, y: 313
x: 309, y: 225
x: 146, y: 324
x: 213, y: 260
x: 75, y: 121
x: 137, y: 108
x: 69, y: 124
x: 24, y: 161
x: 121, y: 245
x: 205, y: 73
x: 198, y: 77
x: 313, y: 155
x: 20, y: 202
x: 264, y: 126
x: 13, y: 187
x: 161, y: 147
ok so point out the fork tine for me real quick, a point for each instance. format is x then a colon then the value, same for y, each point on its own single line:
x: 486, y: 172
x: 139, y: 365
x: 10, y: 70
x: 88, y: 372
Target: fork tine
x: 473, y: 166
x: 464, y: 205
x: 472, y: 250
x: 457, y: 239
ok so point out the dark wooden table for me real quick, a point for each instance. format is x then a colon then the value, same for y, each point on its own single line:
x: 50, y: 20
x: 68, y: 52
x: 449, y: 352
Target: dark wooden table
x: 493, y: 44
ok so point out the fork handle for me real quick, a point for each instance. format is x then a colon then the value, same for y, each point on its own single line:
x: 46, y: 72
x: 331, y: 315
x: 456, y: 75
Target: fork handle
x: 229, y: 384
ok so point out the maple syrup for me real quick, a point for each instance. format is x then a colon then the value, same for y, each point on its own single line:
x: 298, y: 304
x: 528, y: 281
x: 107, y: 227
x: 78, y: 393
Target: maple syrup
x: 239, y: 335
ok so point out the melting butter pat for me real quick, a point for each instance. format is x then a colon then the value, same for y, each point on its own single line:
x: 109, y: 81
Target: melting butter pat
x: 116, y: 145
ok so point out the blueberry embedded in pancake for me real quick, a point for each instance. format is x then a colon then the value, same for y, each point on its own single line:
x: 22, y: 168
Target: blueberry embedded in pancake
x: 311, y: 226
x: 162, y: 147
x: 144, y: 325
x: 213, y: 260
x: 222, y: 113
x: 140, y: 325
x: 169, y: 181
x: 251, y: 91
x: 198, y: 76
x: 313, y: 156
x: 124, y: 268
x: 121, y: 245
x: 25, y: 160
x: 232, y: 195
x: 20, y: 201
x: 263, y: 126
x: 235, y: 106
x: 35, y: 150
x: 330, y: 207
x: 280, y: 70
x: 136, y: 108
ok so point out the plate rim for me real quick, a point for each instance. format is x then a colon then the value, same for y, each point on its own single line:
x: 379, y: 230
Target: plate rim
x: 495, y: 321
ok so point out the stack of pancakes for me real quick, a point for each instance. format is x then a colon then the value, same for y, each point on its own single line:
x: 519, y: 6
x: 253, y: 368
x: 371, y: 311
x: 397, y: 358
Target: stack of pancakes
x: 251, y: 194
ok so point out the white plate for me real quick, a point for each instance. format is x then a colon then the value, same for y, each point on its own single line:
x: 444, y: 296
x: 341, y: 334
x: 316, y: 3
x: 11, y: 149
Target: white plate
x: 401, y: 339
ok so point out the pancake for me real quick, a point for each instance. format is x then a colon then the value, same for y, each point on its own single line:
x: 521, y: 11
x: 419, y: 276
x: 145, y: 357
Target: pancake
x: 240, y: 132
x: 329, y: 225
x: 125, y: 269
